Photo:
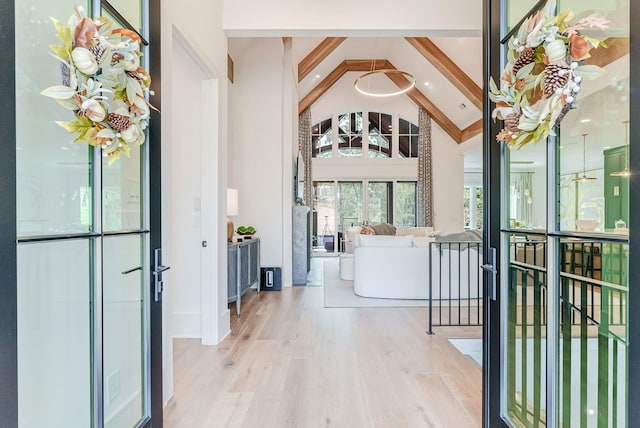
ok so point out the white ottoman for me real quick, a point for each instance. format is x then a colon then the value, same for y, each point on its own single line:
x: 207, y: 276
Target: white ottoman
x: 346, y: 267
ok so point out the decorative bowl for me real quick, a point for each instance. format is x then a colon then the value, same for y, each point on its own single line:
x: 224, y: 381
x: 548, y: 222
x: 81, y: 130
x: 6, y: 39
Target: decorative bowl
x: 587, y: 225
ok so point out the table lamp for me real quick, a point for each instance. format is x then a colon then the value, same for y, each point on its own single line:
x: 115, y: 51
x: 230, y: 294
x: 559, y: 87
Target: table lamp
x: 232, y: 209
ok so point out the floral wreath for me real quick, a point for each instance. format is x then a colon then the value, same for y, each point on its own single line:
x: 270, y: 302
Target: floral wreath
x: 541, y: 80
x: 102, y: 83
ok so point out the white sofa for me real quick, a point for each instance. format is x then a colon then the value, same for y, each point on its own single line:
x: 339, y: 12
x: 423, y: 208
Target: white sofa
x: 389, y: 268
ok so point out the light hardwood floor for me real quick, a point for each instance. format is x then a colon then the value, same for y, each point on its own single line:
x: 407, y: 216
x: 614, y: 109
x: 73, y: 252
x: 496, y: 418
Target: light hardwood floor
x: 290, y: 362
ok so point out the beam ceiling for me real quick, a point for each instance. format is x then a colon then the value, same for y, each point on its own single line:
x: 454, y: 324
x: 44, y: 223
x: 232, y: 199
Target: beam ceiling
x: 317, y: 55
x: 448, y: 69
x: 414, y: 94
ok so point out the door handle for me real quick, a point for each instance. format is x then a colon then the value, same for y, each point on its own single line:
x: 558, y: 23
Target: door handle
x: 158, y: 268
x: 492, y: 269
x: 127, y: 272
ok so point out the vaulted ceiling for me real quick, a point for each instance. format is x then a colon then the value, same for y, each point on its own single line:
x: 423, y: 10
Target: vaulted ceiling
x: 448, y: 73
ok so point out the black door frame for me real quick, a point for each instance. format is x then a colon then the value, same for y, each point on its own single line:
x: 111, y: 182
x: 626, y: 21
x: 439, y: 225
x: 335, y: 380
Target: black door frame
x: 492, y: 371
x: 8, y: 220
x: 8, y: 225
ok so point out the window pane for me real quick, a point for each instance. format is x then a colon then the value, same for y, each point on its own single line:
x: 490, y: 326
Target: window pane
x: 54, y: 334
x: 528, y: 187
x: 123, y: 318
x: 379, y: 203
x: 322, y: 139
x: 405, y: 204
x: 53, y: 173
x: 408, y: 139
x: 350, y: 202
x: 350, y: 138
x: 380, y: 130
x: 122, y: 193
x: 324, y: 214
x: 130, y: 10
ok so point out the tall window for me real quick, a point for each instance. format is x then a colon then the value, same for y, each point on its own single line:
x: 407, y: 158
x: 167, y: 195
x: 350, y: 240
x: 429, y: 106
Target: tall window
x: 379, y: 206
x: 350, y: 135
x: 407, y: 139
x: 380, y: 131
x: 473, y: 207
x: 406, y: 196
x: 322, y: 139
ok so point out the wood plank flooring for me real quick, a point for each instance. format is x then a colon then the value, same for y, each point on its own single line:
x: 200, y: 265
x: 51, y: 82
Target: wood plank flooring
x: 290, y: 362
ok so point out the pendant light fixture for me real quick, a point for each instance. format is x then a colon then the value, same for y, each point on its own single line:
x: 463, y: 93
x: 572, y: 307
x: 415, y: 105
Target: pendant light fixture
x: 363, y: 82
x: 584, y: 177
x: 626, y: 172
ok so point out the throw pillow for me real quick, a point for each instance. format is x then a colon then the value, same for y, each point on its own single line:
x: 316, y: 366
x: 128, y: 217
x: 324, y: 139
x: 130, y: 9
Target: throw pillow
x: 367, y: 230
x: 385, y: 241
x: 384, y: 229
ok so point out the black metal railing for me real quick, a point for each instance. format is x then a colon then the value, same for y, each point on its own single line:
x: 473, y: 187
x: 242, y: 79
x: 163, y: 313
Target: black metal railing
x: 455, y: 284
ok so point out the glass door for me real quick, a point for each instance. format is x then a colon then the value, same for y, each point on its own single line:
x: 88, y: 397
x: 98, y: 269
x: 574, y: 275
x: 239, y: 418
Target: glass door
x: 558, y: 324
x: 86, y: 312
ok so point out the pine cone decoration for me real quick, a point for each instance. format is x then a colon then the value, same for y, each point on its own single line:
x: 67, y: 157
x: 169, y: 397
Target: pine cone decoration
x: 65, y: 73
x: 526, y: 57
x: 118, y: 122
x: 555, y: 76
x: 511, y: 122
x: 98, y: 51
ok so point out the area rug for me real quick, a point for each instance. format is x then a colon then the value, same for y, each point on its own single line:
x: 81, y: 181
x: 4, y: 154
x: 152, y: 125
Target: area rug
x: 339, y: 293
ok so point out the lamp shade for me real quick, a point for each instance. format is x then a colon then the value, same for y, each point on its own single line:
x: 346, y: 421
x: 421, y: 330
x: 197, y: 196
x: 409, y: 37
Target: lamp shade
x: 232, y: 201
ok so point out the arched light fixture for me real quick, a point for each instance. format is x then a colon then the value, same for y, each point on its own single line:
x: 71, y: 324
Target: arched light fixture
x: 584, y: 177
x: 359, y: 82
x: 626, y: 172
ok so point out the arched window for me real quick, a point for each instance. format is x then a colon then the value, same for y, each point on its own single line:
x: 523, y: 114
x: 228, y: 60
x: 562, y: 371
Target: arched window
x: 322, y: 139
x: 380, y: 130
x: 350, y: 135
x: 407, y: 139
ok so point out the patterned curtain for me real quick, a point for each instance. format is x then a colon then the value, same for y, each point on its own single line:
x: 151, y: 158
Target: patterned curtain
x: 304, y: 145
x: 425, y: 173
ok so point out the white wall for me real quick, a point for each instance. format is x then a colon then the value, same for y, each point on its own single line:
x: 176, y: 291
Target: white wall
x: 361, y: 17
x: 202, y: 33
x: 260, y: 148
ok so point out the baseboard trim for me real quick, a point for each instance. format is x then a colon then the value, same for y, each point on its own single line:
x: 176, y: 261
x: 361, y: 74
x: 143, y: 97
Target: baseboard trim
x: 224, y: 325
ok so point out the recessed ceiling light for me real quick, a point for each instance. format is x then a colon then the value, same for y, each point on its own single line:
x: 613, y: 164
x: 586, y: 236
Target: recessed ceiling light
x: 318, y: 76
x: 585, y: 121
x: 427, y: 84
x: 606, y: 147
x: 64, y: 148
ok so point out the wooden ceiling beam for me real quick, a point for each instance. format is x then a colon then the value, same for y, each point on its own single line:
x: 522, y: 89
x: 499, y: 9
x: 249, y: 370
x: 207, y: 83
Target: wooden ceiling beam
x: 448, y: 69
x: 420, y: 99
x: 471, y: 131
x: 322, y: 87
x: 229, y: 68
x: 317, y: 55
x: 617, y: 48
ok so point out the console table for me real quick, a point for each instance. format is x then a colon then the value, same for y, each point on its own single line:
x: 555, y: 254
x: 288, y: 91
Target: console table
x: 243, y: 269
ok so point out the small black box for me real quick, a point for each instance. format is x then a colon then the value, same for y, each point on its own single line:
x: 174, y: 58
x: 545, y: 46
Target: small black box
x: 271, y: 278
